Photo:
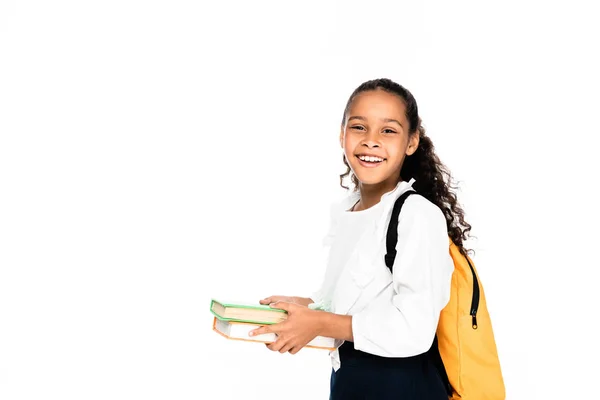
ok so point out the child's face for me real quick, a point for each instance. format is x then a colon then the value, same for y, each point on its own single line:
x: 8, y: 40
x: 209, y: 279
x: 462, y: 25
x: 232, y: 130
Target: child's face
x: 376, y: 126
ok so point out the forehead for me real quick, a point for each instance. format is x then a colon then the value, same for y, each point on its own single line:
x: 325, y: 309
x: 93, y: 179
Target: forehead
x: 378, y: 104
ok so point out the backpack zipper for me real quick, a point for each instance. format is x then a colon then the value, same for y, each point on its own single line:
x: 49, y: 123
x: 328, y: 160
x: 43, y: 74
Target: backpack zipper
x: 475, y: 300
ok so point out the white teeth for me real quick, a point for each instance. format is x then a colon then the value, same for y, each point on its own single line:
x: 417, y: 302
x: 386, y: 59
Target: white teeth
x: 370, y: 158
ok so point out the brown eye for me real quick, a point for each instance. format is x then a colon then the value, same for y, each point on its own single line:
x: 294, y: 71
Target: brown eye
x: 388, y: 131
x: 357, y: 127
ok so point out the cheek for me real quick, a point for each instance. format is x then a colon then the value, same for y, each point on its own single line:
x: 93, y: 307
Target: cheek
x: 397, y: 150
x: 348, y: 145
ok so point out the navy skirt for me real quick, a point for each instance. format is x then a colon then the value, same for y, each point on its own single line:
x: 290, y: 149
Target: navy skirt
x: 367, y: 376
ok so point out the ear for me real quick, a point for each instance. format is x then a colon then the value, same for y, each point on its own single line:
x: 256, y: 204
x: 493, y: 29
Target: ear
x: 342, y: 137
x: 413, y: 144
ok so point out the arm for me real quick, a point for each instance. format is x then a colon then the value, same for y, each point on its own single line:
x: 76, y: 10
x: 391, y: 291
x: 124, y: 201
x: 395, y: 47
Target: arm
x: 335, y: 326
x: 303, y: 325
x: 402, y: 327
x: 422, y: 273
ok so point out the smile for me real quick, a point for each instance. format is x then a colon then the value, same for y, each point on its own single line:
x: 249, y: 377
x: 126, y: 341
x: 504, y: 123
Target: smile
x: 370, y: 158
x: 369, y: 161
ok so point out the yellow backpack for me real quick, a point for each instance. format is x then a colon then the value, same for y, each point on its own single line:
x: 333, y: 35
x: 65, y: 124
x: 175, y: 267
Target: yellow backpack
x: 464, y: 349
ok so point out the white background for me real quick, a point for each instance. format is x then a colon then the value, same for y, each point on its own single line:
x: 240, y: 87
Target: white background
x: 155, y: 154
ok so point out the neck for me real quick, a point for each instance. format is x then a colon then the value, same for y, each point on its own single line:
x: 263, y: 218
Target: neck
x: 370, y: 195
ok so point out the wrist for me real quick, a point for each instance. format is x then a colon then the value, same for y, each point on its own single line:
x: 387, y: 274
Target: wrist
x: 337, y: 326
x: 321, y: 321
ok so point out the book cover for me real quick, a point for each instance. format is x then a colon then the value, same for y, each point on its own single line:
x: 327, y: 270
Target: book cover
x: 239, y: 331
x: 246, y: 312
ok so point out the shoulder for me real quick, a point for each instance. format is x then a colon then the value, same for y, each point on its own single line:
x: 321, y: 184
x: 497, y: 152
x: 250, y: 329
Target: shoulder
x: 421, y: 211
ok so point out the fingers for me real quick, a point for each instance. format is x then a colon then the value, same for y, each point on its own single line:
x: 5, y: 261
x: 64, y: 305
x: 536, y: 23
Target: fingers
x: 272, y: 299
x: 276, y: 298
x: 284, y: 346
x: 284, y: 306
x: 261, y: 330
x: 281, y: 345
x: 266, y: 300
x: 276, y: 345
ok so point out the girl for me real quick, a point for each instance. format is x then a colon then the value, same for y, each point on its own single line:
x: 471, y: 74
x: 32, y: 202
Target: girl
x: 385, y: 322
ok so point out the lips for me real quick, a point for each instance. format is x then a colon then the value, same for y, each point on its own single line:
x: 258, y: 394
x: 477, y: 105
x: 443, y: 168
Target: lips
x: 370, y: 157
x: 369, y: 160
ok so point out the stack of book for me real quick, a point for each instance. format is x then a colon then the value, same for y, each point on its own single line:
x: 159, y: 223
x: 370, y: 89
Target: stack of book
x: 234, y: 320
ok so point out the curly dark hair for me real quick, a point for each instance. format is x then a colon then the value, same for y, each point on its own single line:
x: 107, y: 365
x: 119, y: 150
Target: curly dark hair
x: 432, y: 178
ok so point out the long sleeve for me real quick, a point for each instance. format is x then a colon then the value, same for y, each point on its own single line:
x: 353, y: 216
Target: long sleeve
x: 422, y: 273
x: 321, y: 296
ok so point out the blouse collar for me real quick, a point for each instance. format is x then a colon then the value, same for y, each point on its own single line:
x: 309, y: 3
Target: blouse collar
x: 353, y: 197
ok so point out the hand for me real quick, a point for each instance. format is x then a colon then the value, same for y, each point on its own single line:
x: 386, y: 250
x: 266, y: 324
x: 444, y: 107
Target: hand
x: 303, y: 301
x: 275, y: 299
x: 301, y: 326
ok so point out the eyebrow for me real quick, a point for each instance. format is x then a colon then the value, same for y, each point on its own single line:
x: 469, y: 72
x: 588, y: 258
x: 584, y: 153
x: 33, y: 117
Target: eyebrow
x: 383, y: 119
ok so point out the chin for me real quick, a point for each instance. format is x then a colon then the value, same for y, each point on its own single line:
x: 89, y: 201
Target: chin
x: 379, y: 178
x: 370, y: 180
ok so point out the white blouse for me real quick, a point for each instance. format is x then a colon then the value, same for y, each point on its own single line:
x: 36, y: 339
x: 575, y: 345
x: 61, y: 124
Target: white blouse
x: 391, y: 316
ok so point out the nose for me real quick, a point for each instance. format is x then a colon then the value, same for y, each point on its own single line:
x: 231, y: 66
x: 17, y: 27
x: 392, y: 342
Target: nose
x: 370, y: 141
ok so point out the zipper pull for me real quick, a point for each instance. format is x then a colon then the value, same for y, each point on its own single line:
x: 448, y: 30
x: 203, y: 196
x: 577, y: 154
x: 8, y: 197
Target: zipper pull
x: 474, y: 318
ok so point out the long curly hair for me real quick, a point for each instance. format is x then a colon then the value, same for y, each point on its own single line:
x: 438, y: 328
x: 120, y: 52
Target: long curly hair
x: 432, y: 178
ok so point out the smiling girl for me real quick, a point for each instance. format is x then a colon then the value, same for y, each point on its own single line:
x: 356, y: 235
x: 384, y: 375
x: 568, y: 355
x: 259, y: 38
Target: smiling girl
x: 385, y: 322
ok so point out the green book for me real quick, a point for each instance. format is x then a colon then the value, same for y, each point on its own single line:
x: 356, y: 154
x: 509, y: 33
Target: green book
x: 246, y: 312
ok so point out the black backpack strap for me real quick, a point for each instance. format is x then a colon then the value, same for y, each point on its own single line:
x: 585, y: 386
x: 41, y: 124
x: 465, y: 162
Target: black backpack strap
x: 390, y: 242
x: 392, y: 232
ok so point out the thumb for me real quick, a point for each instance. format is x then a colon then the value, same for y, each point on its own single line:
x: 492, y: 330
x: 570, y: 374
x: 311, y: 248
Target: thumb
x: 266, y: 300
x: 282, y: 305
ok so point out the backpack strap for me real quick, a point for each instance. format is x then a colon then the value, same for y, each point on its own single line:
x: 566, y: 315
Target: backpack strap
x: 392, y: 233
x: 390, y: 242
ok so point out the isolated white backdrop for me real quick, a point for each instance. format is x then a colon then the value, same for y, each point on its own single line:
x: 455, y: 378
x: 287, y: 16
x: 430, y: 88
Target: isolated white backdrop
x: 155, y: 154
